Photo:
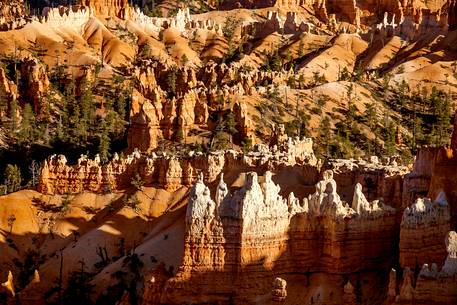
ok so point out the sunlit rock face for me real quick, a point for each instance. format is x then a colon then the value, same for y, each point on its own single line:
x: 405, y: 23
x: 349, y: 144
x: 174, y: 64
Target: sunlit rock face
x: 120, y: 8
x: 169, y: 172
x: 12, y: 14
x: 238, y: 242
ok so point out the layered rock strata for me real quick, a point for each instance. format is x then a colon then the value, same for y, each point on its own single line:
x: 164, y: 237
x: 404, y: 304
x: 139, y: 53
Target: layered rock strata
x: 57, y: 177
x: 417, y: 183
x: 247, y: 238
x: 423, y: 227
x: 434, y: 285
x: 112, y: 8
x: 379, y: 179
x: 12, y: 14
x: 443, y: 178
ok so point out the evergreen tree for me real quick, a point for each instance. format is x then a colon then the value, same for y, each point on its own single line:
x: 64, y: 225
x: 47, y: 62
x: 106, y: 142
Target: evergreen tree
x: 13, y: 178
x: 230, y: 126
x: 442, y: 109
x: 219, y: 140
x: 3, y: 104
x: 78, y: 290
x: 171, y: 81
x: 403, y: 91
x: 104, y: 143
x: 87, y: 110
x: 304, y: 126
x: 389, y: 138
x: 34, y: 170
x: 66, y: 130
x: 276, y: 62
x: 13, y: 116
x: 370, y: 116
x: 120, y: 105
x: 418, y: 133
x: 325, y: 134
x: 45, y: 121
x: 26, y: 132
x: 371, y: 121
x: 75, y: 128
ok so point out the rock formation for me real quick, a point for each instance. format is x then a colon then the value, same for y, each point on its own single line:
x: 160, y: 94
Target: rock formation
x: 12, y: 14
x: 452, y: 14
x: 433, y: 285
x: 417, y: 183
x: 120, y: 9
x: 379, y: 180
x: 168, y: 172
x: 279, y: 292
x: 72, y: 16
x: 8, y: 286
x: 248, y: 237
x: 36, y: 80
x: 423, y: 227
x: 273, y: 225
x: 8, y: 90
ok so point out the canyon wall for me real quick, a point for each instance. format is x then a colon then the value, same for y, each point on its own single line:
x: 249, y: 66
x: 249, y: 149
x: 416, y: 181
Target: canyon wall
x: 112, y: 8
x: 435, y: 284
x: 452, y: 14
x: 168, y: 172
x: 423, y: 228
x: 237, y: 243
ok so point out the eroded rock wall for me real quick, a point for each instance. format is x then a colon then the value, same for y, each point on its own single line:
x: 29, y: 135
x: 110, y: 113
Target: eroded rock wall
x: 12, y: 14
x: 246, y: 238
x: 57, y: 177
x: 423, y: 227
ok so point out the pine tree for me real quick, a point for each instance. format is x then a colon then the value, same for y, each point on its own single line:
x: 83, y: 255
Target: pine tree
x: 45, y: 121
x: 3, y: 104
x: 389, y: 138
x: 230, y: 126
x: 66, y: 130
x: 442, y: 109
x: 104, y: 143
x: 75, y: 126
x: 325, y: 134
x: 13, y: 116
x: 370, y: 116
x: 87, y: 110
x: 13, y: 178
x: 171, y: 81
x: 26, y: 132
x: 304, y: 126
x: 34, y: 170
x: 418, y: 133
x: 120, y: 105
x: 79, y: 289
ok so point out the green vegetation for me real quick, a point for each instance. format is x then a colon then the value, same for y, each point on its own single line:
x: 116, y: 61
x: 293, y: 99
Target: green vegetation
x: 12, y: 179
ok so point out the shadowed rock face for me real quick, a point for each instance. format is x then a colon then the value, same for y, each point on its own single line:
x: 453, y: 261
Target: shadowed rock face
x: 452, y: 14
